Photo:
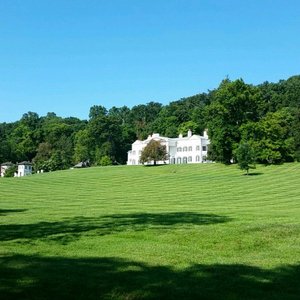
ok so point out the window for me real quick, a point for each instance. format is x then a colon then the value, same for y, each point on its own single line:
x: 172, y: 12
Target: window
x: 190, y: 159
x: 184, y: 149
x: 185, y: 160
x: 204, y: 148
x: 179, y: 160
x: 197, y: 158
x: 172, y: 160
x: 179, y: 149
x: 197, y: 148
x: 190, y: 148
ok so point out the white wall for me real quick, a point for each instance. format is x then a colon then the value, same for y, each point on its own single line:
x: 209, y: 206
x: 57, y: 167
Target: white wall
x: 24, y: 170
x: 191, y: 149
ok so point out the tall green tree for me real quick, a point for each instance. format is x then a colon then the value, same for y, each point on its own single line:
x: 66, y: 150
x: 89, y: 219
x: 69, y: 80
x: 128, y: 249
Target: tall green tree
x: 43, y: 154
x: 97, y: 111
x: 106, y: 136
x: 154, y: 152
x: 246, y: 157
x: 5, y: 147
x: 233, y: 104
x: 142, y: 117
x: 83, y: 145
x: 295, y: 131
x: 271, y: 137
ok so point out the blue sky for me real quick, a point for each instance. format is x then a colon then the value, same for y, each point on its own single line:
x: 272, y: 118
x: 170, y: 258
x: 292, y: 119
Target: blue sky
x: 64, y: 56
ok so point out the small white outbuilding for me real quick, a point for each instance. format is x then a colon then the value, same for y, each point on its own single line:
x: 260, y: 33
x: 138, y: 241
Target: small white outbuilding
x: 24, y: 169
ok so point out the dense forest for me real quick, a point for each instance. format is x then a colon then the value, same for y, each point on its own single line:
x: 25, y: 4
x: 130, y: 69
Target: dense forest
x: 265, y: 116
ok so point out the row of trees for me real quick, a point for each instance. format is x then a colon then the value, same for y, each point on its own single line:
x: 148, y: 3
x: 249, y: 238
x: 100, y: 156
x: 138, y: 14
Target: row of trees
x: 266, y: 117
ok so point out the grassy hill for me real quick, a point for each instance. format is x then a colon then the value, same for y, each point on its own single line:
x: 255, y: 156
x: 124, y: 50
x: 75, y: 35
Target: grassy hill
x: 168, y: 232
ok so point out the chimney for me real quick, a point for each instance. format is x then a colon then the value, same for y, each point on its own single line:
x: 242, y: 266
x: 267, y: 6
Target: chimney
x: 189, y: 133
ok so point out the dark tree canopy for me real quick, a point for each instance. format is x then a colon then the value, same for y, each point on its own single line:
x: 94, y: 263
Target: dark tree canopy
x: 233, y: 104
x: 266, y: 116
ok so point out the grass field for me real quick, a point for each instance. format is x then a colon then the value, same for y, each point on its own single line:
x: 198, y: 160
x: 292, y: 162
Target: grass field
x: 168, y: 232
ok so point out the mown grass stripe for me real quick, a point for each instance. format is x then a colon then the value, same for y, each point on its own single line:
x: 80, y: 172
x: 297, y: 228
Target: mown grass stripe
x: 190, y: 218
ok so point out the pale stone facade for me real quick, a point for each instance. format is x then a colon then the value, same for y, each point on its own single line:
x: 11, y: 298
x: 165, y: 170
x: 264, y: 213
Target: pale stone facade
x: 190, y: 149
x: 24, y: 169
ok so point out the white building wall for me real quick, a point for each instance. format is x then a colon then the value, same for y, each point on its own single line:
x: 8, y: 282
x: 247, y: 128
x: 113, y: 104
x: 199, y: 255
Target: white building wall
x: 3, y: 169
x: 24, y: 170
x: 181, y: 150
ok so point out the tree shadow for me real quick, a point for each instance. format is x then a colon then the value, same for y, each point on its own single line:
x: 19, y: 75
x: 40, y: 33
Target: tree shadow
x: 253, y: 174
x: 152, y: 165
x: 34, y: 277
x: 67, y: 230
x: 4, y: 212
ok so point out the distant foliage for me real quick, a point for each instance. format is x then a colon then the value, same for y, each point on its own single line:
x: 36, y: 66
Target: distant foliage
x: 105, y: 161
x: 266, y: 116
x: 10, y: 172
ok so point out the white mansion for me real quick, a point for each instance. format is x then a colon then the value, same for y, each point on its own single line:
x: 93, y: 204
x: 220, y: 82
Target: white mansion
x: 191, y: 149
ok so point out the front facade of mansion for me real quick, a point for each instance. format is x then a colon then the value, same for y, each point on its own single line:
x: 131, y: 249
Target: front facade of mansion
x: 182, y: 150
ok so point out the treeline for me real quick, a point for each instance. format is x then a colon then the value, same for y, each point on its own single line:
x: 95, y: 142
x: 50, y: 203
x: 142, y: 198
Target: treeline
x: 266, y: 117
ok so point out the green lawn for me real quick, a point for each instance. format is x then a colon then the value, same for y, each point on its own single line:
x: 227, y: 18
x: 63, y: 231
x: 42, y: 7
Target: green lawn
x: 168, y: 232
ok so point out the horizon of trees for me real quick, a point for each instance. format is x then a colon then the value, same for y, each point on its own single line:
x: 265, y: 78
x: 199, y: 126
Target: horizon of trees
x: 265, y: 116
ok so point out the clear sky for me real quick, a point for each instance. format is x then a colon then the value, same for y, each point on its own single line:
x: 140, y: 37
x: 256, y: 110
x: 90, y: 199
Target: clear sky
x: 64, y: 56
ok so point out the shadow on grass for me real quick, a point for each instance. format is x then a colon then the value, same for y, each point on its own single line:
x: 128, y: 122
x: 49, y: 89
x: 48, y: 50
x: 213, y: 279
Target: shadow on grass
x: 4, y: 212
x: 34, y: 277
x: 157, y: 165
x: 254, y: 174
x: 67, y: 230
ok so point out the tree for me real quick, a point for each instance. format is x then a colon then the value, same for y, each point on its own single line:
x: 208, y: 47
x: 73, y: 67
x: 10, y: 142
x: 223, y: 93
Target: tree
x: 154, y: 151
x: 245, y: 155
x: 142, y: 116
x: 295, y: 131
x: 233, y: 104
x: 272, y: 137
x: 5, y: 148
x: 43, y: 154
x: 82, y: 146
x: 186, y: 126
x: 105, y: 161
x: 105, y: 134
x: 22, y: 143
x: 10, y: 172
x: 96, y: 111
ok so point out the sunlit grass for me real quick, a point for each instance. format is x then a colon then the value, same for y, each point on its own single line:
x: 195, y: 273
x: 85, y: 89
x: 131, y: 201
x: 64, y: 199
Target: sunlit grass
x: 167, y: 226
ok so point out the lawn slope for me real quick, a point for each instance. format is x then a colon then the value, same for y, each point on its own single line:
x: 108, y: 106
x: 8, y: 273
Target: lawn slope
x: 167, y: 232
